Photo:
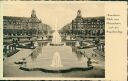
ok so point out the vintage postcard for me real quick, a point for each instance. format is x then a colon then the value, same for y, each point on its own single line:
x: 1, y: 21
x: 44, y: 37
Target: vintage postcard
x: 64, y: 39
x: 54, y: 40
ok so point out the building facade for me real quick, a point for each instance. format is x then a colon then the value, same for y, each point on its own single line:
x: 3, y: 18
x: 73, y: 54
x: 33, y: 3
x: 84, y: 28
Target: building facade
x: 24, y: 28
x: 18, y: 26
x: 85, y: 26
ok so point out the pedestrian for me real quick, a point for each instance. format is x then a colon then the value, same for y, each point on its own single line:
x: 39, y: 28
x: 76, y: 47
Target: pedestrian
x: 89, y: 62
x: 14, y: 45
x: 5, y: 49
x: 23, y: 62
x: 94, y: 55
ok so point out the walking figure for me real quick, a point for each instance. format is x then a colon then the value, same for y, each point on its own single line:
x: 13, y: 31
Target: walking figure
x: 89, y: 62
x: 94, y: 55
x: 23, y: 62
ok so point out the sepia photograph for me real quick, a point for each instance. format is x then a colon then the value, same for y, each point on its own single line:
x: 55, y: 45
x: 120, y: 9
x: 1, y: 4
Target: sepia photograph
x: 54, y: 40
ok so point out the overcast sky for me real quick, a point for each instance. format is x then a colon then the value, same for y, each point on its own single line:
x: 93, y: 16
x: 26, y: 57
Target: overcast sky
x: 51, y: 13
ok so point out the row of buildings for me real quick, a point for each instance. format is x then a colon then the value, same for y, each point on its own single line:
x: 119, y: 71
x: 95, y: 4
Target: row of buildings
x: 85, y: 26
x: 86, y: 29
x: 23, y: 27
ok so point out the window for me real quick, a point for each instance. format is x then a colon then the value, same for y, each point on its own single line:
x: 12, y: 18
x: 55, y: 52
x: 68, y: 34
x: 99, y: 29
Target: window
x: 92, y: 22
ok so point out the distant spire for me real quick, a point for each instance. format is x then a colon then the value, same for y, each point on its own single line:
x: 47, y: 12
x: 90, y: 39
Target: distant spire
x: 40, y: 20
x: 79, y: 13
x: 33, y: 14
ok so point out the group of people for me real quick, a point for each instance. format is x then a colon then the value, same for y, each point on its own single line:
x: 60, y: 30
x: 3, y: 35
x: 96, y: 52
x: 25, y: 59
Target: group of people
x: 9, y: 48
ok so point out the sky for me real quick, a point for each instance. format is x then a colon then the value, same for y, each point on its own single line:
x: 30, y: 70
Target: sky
x: 55, y: 14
